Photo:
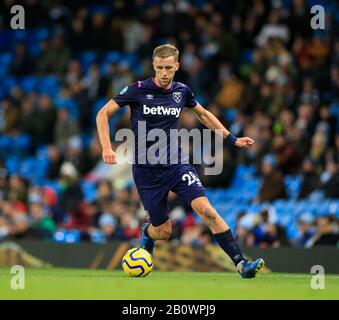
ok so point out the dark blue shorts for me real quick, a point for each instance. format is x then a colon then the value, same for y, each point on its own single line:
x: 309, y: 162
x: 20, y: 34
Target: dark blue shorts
x: 154, y: 184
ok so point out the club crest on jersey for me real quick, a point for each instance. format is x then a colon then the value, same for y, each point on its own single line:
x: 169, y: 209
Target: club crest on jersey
x: 177, y: 96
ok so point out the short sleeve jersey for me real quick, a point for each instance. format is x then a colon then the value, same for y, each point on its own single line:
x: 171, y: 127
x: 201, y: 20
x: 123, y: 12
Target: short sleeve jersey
x: 154, y: 117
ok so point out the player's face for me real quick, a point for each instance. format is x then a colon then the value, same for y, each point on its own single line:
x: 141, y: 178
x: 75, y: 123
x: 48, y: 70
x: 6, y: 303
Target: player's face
x: 165, y: 69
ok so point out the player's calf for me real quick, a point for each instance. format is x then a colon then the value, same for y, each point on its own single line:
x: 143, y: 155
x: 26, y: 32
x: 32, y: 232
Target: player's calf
x: 224, y: 237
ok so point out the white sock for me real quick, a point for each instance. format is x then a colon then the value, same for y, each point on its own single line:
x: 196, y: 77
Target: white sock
x: 239, y: 265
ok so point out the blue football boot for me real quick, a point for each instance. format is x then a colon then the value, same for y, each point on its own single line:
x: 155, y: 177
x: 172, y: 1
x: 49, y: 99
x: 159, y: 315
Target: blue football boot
x: 250, y: 269
x: 146, y: 242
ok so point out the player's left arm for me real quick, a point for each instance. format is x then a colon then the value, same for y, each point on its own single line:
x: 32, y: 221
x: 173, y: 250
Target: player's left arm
x: 209, y: 120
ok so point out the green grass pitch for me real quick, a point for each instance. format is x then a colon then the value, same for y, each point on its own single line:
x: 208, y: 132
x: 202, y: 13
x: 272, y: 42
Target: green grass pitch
x: 58, y: 283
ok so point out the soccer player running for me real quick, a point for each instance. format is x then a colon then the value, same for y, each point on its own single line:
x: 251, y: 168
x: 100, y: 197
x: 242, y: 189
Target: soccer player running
x: 157, y: 102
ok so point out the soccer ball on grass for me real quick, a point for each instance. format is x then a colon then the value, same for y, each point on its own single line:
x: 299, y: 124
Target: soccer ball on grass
x: 137, y: 262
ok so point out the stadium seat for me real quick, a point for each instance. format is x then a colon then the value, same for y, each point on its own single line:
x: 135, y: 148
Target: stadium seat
x: 293, y: 185
x: 112, y: 56
x: 29, y: 83
x: 12, y: 163
x: 66, y: 236
x: 6, y: 144
x: 69, y: 104
x: 89, y: 190
x: 49, y: 85
x: 53, y: 184
x: 86, y: 58
x: 22, y: 143
x: 40, y: 34
x: 20, y: 36
x: 230, y: 115
x: 28, y: 168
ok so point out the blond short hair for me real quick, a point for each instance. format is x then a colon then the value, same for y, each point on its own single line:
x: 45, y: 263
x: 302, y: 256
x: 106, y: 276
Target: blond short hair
x: 166, y: 50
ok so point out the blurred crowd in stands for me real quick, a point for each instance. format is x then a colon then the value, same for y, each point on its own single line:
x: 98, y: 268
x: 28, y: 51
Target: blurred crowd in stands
x: 257, y: 65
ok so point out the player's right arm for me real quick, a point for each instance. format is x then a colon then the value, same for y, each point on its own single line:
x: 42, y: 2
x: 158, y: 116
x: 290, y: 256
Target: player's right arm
x: 127, y: 96
x: 102, y: 121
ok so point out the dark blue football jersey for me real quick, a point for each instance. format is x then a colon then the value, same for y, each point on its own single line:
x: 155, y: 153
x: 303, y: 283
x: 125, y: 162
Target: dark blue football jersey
x: 152, y: 108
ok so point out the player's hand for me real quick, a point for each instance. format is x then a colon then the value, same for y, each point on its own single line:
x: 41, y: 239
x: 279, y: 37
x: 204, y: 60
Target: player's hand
x: 244, y: 142
x: 109, y: 156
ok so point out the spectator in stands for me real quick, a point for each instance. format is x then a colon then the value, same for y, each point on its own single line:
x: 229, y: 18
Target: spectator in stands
x: 114, y: 40
x: 330, y: 178
x: 231, y: 92
x: 28, y: 118
x: 76, y: 154
x: 3, y: 182
x: 129, y: 225
x: 310, y: 179
x: 326, y: 233
x: 306, y: 229
x: 65, y: 128
x: 13, y: 219
x: 273, y: 186
x: 273, y: 29
x: 96, y: 35
x: 42, y: 226
x: 243, y: 230
x: 22, y: 64
x: 45, y: 118
x: 17, y: 190
x: 266, y: 232
x: 93, y: 154
x: 289, y: 156
x: 9, y: 116
x: 55, y: 56
x: 55, y: 160
x: 71, y: 194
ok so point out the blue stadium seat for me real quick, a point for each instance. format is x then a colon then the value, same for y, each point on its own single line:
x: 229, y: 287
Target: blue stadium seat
x: 70, y: 104
x: 293, y: 185
x: 5, y: 40
x: 112, y: 56
x: 42, y: 152
x: 29, y: 83
x: 6, y: 59
x: 86, y: 58
x: 99, y: 8
x: 8, y: 83
x: 53, y: 184
x: 98, y: 237
x: 28, y: 168
x: 230, y: 114
x: 12, y: 163
x: 22, y: 143
x: 6, y: 144
x: 89, y: 190
x: 67, y: 236
x: 20, y: 36
x: 40, y: 34
x: 247, y: 56
x: 49, y: 85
